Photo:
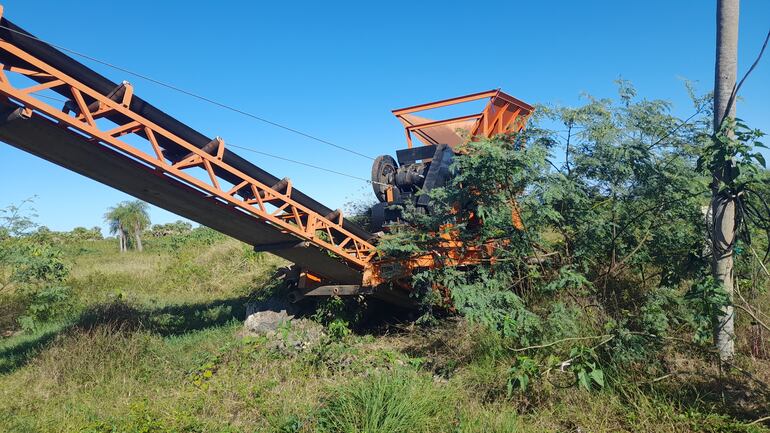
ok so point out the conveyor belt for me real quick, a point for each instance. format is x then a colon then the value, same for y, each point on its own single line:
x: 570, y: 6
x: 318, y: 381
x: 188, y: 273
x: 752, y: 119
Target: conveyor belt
x: 42, y: 136
x: 43, y: 139
x: 98, y: 82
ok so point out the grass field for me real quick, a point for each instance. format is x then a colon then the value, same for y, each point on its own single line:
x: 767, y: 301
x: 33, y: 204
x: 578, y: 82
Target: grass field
x: 154, y: 343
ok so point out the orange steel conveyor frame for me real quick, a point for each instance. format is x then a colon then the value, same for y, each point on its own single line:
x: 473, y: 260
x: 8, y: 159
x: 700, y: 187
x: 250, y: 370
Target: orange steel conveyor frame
x: 269, y: 206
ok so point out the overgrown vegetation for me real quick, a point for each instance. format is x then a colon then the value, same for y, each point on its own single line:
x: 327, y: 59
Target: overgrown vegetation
x: 57, y: 279
x: 596, y: 317
x: 612, y: 268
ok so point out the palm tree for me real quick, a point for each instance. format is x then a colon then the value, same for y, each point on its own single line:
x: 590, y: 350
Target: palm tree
x: 127, y: 220
x: 114, y: 219
x: 137, y: 219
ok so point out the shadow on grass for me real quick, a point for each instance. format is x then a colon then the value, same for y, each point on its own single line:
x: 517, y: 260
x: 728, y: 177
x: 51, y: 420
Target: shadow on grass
x: 172, y: 320
x: 735, y: 394
x: 166, y: 321
x: 18, y: 353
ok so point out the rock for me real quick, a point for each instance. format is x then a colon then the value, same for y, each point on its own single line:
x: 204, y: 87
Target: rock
x: 262, y: 322
x: 286, y: 333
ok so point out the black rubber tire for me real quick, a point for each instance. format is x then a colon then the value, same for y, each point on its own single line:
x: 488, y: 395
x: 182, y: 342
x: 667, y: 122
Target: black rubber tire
x: 383, y: 174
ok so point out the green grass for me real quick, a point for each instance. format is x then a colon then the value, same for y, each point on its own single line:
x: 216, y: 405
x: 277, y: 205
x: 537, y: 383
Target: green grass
x: 155, y: 345
x: 386, y: 402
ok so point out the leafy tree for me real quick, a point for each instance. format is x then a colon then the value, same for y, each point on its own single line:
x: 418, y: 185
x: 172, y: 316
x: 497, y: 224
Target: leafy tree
x: 16, y: 220
x: 84, y: 234
x: 128, y: 220
x: 116, y: 225
x: 170, y: 229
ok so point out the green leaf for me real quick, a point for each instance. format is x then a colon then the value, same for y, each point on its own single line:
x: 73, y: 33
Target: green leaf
x: 598, y: 377
x: 584, y: 380
x: 523, y: 382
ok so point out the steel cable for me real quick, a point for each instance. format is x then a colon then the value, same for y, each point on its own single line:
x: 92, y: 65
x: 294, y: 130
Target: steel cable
x: 191, y: 94
x: 303, y: 163
x: 203, y: 98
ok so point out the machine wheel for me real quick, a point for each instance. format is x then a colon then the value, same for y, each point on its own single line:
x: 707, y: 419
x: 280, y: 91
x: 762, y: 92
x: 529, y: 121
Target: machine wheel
x: 383, y: 174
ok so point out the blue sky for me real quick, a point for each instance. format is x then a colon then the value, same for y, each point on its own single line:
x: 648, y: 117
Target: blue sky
x: 335, y: 70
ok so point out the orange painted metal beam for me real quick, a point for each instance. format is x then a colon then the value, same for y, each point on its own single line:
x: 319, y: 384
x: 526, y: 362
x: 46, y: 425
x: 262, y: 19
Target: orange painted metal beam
x: 443, y: 122
x: 446, y: 102
x: 268, y: 206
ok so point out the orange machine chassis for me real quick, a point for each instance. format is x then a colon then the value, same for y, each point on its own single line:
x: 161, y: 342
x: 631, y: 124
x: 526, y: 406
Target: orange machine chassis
x: 501, y: 114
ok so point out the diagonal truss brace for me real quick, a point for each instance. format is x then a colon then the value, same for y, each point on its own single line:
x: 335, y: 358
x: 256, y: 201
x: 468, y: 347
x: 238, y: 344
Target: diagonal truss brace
x: 269, y: 205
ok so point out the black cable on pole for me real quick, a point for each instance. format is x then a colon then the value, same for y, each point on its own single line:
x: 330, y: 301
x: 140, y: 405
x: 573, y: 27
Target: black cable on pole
x: 191, y: 94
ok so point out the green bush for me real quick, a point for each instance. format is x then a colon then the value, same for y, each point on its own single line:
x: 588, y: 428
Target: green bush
x: 45, y: 305
x: 34, y: 268
x: 387, y: 402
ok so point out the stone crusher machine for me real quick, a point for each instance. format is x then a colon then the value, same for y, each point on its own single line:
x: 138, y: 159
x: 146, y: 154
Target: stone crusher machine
x: 104, y: 131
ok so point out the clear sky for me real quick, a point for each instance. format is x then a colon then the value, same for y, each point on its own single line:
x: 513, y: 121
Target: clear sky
x: 335, y: 70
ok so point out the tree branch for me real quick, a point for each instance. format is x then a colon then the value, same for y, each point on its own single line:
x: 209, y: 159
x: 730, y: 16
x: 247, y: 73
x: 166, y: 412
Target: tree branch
x: 553, y: 343
x: 753, y: 316
x: 620, y: 264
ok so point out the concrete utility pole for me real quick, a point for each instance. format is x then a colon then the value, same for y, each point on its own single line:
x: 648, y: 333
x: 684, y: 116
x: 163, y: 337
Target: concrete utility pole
x: 723, y: 205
